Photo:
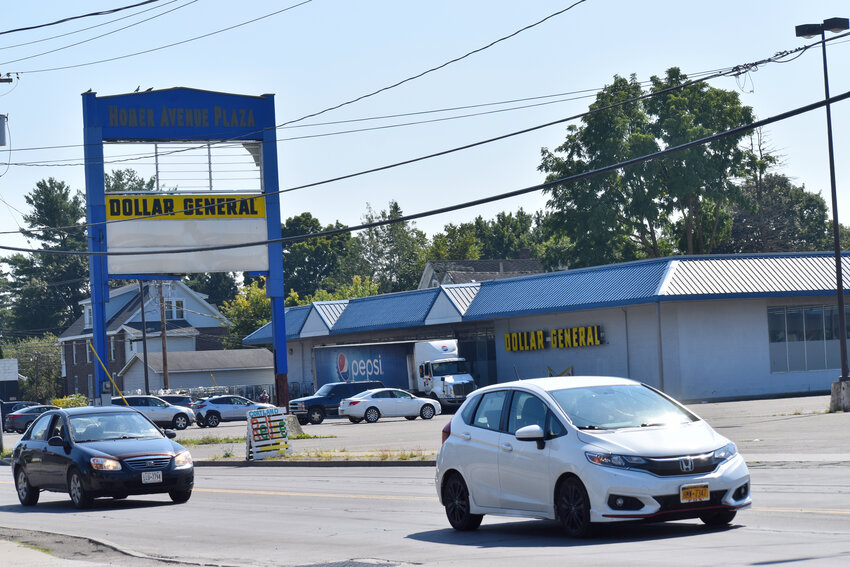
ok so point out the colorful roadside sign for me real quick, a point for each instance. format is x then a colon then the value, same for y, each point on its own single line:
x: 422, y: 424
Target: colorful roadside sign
x: 268, y: 435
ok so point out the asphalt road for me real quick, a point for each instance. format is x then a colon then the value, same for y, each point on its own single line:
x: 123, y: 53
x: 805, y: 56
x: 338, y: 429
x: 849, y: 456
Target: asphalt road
x: 390, y: 516
x: 357, y: 516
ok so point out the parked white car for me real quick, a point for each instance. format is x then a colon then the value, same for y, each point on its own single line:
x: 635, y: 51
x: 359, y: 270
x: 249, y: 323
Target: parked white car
x: 583, y: 450
x: 159, y: 411
x: 372, y: 405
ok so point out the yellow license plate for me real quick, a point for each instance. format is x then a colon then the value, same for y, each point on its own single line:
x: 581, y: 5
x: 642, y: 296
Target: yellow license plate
x: 694, y: 493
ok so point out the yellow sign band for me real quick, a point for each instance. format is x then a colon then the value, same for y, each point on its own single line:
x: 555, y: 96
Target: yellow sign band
x: 195, y: 207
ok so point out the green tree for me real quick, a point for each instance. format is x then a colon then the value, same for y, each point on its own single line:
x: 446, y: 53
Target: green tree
x: 127, y: 180
x: 44, y: 289
x: 39, y: 361
x: 248, y: 311
x: 508, y: 235
x: 395, y: 252
x: 630, y: 213
x: 313, y: 263
x: 359, y: 287
x: 217, y: 286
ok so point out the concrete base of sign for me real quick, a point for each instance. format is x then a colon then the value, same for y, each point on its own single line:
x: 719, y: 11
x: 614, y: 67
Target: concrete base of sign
x: 840, y: 398
x: 292, y: 426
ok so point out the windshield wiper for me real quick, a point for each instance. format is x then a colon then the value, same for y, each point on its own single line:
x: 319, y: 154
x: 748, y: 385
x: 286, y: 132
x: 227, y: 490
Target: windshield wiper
x: 593, y: 427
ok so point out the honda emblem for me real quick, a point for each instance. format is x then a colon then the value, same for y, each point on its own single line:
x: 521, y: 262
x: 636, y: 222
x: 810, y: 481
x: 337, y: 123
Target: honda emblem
x: 686, y: 464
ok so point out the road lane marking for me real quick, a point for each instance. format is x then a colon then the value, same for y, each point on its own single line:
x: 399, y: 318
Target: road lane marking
x: 802, y: 511
x: 313, y: 494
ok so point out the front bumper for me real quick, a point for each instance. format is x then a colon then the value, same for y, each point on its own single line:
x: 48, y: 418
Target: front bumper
x: 646, y: 496
x: 124, y: 482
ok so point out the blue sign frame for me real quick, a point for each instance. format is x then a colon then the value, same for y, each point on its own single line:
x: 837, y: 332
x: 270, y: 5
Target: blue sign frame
x: 178, y: 114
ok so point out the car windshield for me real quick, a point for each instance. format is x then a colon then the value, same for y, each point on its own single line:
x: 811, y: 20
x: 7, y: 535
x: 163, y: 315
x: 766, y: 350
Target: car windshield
x: 449, y: 368
x: 324, y: 390
x: 614, y: 407
x: 107, y: 426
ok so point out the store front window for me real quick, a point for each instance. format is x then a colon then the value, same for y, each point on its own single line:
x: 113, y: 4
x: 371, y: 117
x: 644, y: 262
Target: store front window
x: 804, y: 338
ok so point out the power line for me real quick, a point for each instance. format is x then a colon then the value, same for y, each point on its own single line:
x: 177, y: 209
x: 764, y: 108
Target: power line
x: 477, y: 202
x: 62, y: 21
x: 432, y: 69
x: 84, y: 29
x: 97, y: 36
x: 736, y: 70
x: 206, y: 35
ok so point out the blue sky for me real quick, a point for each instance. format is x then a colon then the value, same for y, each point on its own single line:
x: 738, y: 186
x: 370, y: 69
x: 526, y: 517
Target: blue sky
x: 326, y: 52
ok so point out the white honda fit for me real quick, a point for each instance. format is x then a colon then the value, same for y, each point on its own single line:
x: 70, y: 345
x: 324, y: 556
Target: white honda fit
x: 586, y: 449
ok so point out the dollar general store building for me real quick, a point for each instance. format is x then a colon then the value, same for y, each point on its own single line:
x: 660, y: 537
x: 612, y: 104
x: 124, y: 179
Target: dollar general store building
x: 698, y: 327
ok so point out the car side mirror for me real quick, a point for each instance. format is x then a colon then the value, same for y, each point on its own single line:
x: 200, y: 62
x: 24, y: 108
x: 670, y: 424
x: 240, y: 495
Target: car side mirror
x: 56, y: 441
x: 170, y: 433
x: 531, y: 433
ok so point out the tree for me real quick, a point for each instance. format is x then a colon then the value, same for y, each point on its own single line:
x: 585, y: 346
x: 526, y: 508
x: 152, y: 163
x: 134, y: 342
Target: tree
x: 631, y: 213
x: 313, y: 263
x: 217, y: 286
x: 359, y: 287
x: 508, y: 236
x: 45, y: 289
x: 127, y: 180
x: 395, y: 252
x: 39, y: 361
x: 248, y: 311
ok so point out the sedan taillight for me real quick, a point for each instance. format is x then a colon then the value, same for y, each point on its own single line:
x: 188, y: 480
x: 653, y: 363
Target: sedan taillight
x: 447, y: 431
x: 353, y: 402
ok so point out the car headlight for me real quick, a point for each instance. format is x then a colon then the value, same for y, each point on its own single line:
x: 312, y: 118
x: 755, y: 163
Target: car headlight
x: 103, y: 464
x: 725, y: 453
x: 183, y: 460
x: 619, y: 461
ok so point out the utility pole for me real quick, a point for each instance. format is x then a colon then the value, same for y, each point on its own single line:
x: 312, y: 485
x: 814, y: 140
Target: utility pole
x: 164, y: 340
x: 144, y: 337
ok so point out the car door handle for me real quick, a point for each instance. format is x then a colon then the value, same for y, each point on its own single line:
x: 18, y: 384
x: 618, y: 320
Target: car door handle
x: 507, y: 447
x: 465, y: 436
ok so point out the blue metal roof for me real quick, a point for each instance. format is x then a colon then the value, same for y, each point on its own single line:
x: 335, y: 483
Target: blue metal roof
x: 635, y: 282
x: 675, y: 278
x: 394, y: 310
x: 295, y: 317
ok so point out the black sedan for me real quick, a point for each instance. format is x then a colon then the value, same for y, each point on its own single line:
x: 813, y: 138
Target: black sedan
x: 93, y: 452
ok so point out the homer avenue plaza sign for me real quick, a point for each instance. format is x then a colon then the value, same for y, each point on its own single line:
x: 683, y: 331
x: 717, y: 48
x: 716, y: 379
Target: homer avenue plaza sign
x: 573, y: 337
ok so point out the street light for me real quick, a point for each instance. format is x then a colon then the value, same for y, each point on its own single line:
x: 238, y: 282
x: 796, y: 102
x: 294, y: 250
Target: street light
x: 841, y: 391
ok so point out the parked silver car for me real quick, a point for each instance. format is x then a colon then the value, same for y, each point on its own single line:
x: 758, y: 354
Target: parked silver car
x: 214, y: 410
x: 159, y: 411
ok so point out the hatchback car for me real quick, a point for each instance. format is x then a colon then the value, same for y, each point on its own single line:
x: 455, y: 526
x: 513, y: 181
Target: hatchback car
x: 584, y: 450
x: 91, y: 452
x: 20, y: 419
x: 159, y: 411
x: 372, y: 405
x: 216, y: 409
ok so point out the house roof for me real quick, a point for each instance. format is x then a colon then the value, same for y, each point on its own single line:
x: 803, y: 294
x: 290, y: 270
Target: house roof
x: 207, y: 360
x: 445, y: 272
x: 678, y: 278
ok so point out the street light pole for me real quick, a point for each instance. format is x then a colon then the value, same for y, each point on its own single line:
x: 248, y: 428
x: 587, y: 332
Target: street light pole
x: 840, y: 399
